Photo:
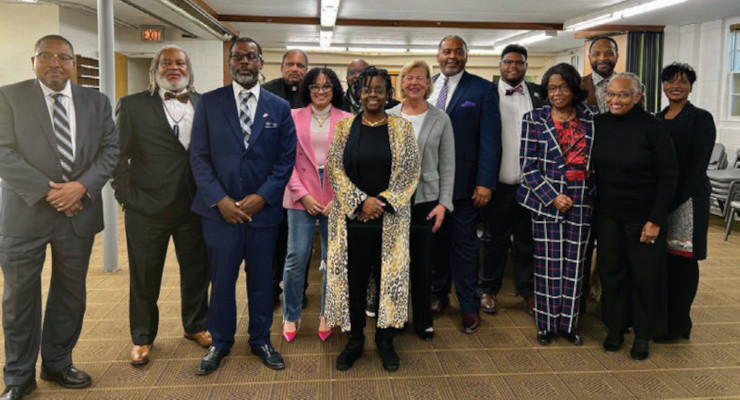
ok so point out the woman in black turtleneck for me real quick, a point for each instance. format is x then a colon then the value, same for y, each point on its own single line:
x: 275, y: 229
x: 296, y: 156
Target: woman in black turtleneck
x: 693, y: 133
x: 636, y: 174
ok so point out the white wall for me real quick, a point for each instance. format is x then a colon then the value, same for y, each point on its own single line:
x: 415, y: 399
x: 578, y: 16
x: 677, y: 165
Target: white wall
x: 705, y: 47
x: 21, y: 25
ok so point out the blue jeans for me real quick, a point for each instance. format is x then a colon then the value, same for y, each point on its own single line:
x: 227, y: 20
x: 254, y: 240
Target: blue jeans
x: 300, y: 235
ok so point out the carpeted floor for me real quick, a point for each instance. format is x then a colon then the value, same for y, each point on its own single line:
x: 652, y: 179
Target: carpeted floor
x: 501, y: 361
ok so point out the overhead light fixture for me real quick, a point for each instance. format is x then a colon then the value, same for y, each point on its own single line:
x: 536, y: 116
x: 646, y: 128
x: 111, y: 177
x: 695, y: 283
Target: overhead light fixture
x: 28, y: 1
x: 522, y: 39
x: 618, y: 12
x: 313, y: 47
x: 329, y: 12
x: 325, y: 38
x: 371, y: 49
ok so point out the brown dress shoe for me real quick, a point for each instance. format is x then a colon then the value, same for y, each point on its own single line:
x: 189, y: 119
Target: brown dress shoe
x: 203, y: 338
x: 530, y: 305
x: 140, y: 355
x: 488, y: 303
x: 471, y: 322
x: 438, y: 306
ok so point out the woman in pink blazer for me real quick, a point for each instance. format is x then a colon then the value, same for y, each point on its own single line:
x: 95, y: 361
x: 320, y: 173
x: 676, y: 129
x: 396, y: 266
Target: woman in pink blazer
x: 308, y: 196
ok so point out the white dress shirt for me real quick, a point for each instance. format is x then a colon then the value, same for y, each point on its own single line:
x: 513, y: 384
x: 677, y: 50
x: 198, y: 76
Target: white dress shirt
x: 68, y: 104
x: 452, y: 82
x: 252, y: 102
x: 416, y: 121
x: 180, y: 114
x: 512, y: 108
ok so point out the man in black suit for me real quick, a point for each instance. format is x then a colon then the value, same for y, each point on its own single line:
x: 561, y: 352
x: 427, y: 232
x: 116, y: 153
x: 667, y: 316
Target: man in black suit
x: 154, y: 184
x: 58, y: 147
x: 293, y: 67
x: 507, y: 225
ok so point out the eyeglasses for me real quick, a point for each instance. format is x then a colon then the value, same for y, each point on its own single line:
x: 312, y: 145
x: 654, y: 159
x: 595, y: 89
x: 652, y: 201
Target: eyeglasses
x: 251, y: 57
x: 46, y: 57
x: 167, y: 64
x: 564, y: 88
x: 620, y: 96
x: 409, y: 78
x: 380, y: 90
x: 326, y: 88
x: 514, y: 62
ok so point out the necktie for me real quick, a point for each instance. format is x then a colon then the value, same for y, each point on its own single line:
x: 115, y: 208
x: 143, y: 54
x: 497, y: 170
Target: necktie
x: 442, y: 99
x: 518, y: 89
x: 245, y: 117
x: 182, y: 97
x: 63, y: 135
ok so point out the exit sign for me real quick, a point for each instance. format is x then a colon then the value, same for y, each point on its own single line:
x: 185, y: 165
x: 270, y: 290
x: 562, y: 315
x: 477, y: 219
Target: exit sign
x: 152, y: 34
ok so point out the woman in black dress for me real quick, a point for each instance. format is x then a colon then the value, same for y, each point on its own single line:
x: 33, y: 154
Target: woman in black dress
x: 636, y: 174
x: 693, y: 133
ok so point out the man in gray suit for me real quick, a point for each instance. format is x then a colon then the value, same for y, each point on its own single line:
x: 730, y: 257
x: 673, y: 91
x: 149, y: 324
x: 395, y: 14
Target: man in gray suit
x: 155, y: 186
x: 58, y: 147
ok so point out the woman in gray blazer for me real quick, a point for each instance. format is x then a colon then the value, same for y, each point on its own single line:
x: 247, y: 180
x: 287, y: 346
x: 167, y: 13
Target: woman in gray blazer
x: 433, y: 197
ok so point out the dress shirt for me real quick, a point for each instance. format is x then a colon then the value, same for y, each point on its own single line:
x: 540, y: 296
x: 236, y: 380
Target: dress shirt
x: 600, y: 84
x: 512, y: 108
x: 452, y: 82
x: 68, y: 104
x: 251, y: 103
x: 180, y: 114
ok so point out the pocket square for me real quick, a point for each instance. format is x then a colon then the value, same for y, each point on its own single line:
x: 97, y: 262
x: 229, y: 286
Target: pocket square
x: 269, y: 124
x: 468, y: 104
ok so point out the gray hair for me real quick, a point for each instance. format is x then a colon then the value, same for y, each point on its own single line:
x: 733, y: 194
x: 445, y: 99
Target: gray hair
x: 448, y: 37
x: 634, y: 80
x: 153, y: 87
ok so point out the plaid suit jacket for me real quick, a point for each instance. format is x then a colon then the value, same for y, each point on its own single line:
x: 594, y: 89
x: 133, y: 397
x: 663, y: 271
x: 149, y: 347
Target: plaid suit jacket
x: 543, y: 168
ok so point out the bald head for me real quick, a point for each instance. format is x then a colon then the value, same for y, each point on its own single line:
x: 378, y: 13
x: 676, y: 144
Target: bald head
x: 354, y: 68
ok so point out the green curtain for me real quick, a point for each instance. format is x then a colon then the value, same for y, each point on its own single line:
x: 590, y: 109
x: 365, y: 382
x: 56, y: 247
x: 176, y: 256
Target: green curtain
x: 645, y: 58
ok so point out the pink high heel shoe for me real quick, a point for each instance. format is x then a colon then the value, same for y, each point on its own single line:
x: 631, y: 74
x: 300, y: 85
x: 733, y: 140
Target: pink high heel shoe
x: 323, y: 335
x: 289, y: 336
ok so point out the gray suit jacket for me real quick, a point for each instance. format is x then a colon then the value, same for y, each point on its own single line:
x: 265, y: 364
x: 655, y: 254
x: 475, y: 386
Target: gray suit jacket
x: 437, y: 148
x: 29, y: 160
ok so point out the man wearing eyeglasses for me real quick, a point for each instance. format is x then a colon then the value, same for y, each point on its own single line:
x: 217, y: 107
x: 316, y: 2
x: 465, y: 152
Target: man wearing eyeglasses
x: 58, y: 147
x: 154, y: 184
x: 507, y: 225
x: 242, y: 152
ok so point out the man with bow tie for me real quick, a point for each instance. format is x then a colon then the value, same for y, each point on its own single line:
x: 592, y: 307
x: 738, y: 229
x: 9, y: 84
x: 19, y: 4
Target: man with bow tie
x: 242, y: 153
x: 154, y: 184
x: 507, y: 225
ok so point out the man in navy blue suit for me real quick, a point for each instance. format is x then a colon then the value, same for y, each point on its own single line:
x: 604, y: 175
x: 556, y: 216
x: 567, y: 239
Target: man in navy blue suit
x: 242, y: 152
x: 472, y: 104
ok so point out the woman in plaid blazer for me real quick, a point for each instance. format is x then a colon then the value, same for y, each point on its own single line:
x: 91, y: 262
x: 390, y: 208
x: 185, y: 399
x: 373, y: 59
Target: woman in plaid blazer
x: 557, y: 187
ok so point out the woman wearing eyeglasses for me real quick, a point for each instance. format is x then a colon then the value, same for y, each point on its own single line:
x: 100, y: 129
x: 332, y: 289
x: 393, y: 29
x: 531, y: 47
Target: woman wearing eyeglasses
x: 557, y: 186
x: 308, y: 196
x: 636, y: 175
x: 373, y: 166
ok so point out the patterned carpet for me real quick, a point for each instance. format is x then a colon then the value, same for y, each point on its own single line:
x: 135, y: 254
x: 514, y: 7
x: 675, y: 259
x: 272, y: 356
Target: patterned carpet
x: 501, y: 361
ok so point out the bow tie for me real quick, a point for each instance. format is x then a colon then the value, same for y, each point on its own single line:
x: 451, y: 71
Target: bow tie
x: 517, y: 89
x: 183, y: 97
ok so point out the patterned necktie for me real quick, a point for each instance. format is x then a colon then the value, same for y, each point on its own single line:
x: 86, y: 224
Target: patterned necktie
x: 182, y: 97
x: 63, y: 135
x: 518, y: 89
x: 245, y: 117
x: 442, y: 99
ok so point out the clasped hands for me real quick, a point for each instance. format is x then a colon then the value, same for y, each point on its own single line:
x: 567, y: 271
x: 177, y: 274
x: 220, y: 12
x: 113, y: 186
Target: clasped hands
x: 562, y: 203
x: 66, y: 197
x: 372, y: 208
x: 313, y: 207
x: 237, y: 212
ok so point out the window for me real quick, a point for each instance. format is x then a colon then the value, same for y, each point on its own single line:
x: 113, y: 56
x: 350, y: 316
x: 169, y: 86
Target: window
x: 734, y: 67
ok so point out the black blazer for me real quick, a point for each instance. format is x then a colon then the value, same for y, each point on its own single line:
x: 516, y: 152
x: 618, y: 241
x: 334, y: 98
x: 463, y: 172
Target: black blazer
x: 153, y: 175
x: 535, y: 96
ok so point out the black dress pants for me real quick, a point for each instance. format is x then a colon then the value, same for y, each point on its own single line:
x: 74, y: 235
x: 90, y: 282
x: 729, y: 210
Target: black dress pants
x: 364, y: 246
x: 633, y: 278
x: 683, y: 282
x: 421, y: 247
x: 147, y: 239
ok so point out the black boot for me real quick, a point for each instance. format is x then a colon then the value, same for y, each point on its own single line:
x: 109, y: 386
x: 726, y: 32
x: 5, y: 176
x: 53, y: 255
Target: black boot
x: 351, y: 352
x: 384, y: 345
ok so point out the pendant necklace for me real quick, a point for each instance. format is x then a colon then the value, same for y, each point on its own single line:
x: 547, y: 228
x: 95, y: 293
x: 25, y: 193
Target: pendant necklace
x: 373, y: 124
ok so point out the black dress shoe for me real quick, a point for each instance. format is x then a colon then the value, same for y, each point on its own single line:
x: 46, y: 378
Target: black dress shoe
x: 70, y: 377
x: 352, y: 351
x: 613, y: 342
x: 269, y: 356
x: 672, y: 337
x: 640, y: 349
x: 544, y: 337
x: 471, y: 322
x: 16, y: 392
x: 574, y: 338
x: 425, y: 335
x: 211, y: 361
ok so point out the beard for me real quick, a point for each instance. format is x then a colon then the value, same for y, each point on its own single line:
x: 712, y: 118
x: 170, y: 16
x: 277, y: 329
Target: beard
x: 245, y: 80
x: 176, y: 86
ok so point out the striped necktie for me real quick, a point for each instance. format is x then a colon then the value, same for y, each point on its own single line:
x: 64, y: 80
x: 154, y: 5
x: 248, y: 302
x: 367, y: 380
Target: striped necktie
x: 64, y: 136
x: 442, y: 99
x: 245, y: 117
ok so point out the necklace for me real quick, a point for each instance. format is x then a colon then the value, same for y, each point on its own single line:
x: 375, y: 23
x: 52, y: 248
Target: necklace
x: 373, y: 124
x: 567, y: 117
x: 319, y: 120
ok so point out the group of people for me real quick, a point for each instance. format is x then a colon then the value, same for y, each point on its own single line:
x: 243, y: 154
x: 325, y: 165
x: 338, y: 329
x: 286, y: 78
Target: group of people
x: 245, y: 173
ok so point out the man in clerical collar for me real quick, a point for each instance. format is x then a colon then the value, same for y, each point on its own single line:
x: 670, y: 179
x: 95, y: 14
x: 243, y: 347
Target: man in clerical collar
x: 293, y: 67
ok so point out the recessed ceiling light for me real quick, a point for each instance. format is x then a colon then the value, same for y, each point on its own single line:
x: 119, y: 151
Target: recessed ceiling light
x: 28, y: 1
